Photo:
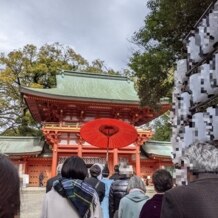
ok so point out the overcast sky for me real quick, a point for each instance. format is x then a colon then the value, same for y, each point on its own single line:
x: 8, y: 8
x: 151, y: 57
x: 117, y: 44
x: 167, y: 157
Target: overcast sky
x: 94, y: 28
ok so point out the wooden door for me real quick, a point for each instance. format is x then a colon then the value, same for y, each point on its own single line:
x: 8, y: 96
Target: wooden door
x: 34, y: 168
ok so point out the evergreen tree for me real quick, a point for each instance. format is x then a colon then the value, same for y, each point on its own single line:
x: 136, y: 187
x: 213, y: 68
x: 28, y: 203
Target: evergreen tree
x: 36, y: 68
x: 160, y: 44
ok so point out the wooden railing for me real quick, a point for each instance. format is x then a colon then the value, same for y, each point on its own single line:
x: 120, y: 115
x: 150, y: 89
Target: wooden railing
x: 62, y: 125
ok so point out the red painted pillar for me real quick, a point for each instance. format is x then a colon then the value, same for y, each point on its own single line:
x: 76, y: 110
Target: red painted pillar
x: 115, y: 156
x: 25, y: 166
x: 137, y: 161
x: 79, y: 150
x: 54, y: 160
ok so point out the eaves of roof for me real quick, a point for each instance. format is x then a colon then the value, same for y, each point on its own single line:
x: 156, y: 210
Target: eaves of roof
x: 158, y: 148
x: 20, y: 145
x: 89, y: 87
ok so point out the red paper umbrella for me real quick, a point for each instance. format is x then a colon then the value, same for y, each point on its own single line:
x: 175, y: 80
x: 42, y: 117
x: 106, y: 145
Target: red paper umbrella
x: 108, y: 133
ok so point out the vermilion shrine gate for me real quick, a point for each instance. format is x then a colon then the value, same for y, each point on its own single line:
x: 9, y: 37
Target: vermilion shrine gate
x: 82, y: 97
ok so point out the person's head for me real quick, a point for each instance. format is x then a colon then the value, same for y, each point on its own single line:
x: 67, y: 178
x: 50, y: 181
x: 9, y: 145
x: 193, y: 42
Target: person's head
x: 125, y: 170
x: 74, y: 168
x: 105, y: 171
x: 162, y: 180
x: 9, y: 188
x: 136, y: 182
x: 201, y: 158
x: 95, y: 170
x: 116, y: 168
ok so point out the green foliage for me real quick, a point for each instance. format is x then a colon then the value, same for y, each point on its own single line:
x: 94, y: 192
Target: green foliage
x: 160, y: 44
x: 162, y: 128
x: 34, y: 67
x: 154, y: 80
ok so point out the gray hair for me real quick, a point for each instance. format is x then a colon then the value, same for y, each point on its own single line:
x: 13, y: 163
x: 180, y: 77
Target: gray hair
x: 201, y: 157
x: 136, y: 182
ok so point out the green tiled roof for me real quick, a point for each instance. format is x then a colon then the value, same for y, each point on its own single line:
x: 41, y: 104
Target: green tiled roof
x: 89, y: 86
x: 159, y: 148
x: 20, y: 145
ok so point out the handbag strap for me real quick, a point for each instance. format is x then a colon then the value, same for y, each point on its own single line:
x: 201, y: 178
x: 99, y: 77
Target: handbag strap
x: 97, y: 184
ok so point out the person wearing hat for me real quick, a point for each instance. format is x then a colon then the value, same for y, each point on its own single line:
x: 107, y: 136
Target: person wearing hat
x: 99, y: 186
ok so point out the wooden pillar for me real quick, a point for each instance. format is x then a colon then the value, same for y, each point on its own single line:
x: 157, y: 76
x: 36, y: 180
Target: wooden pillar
x: 54, y: 160
x: 138, y: 161
x: 115, y: 156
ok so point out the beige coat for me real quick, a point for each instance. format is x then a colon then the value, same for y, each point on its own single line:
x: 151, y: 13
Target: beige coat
x: 56, y: 206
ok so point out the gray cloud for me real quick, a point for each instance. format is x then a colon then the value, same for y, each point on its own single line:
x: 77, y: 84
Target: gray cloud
x: 94, y: 28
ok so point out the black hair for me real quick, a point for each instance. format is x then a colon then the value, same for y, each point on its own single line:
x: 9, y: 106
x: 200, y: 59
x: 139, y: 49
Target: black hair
x: 105, y: 171
x: 74, y: 168
x: 95, y: 170
x: 116, y: 168
x: 9, y: 188
x: 162, y: 180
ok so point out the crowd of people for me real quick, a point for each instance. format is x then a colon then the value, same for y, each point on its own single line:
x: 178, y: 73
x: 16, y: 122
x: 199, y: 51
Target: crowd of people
x: 72, y: 193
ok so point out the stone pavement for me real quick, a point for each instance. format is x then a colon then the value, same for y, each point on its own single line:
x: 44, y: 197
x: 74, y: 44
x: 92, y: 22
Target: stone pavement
x: 31, y: 202
x: 32, y: 197
x: 150, y: 191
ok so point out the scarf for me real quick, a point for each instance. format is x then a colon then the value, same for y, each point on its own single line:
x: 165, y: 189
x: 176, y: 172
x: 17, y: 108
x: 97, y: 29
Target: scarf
x: 80, y: 194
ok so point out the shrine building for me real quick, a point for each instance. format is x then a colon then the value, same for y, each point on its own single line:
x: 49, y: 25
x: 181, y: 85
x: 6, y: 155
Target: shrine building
x: 77, y: 99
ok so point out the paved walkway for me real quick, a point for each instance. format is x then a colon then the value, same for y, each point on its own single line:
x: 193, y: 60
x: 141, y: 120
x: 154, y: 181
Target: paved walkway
x: 31, y: 201
x: 150, y: 191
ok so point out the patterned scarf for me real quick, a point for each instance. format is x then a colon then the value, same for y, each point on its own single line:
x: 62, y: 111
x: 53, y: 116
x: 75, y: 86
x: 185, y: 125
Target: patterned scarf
x: 81, y: 195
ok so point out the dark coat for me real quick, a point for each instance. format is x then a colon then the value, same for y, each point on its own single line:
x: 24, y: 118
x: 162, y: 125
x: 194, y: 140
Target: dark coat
x: 199, y: 199
x: 100, y: 189
x: 115, y: 176
x: 152, y: 207
x: 118, y: 189
x: 50, y: 181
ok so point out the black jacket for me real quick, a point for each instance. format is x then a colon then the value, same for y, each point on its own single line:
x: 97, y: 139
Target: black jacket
x: 118, y: 189
x: 50, y: 181
x: 115, y: 176
x: 100, y: 187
